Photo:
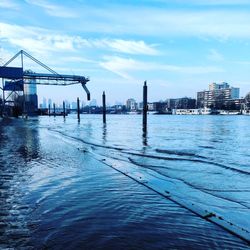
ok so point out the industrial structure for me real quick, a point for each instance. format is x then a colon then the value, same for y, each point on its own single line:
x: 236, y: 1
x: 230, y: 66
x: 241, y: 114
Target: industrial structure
x: 19, y: 85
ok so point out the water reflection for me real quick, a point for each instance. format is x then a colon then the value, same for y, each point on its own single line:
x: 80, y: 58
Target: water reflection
x: 145, y: 138
x: 29, y: 150
x: 22, y: 146
x: 104, y: 133
x: 66, y: 192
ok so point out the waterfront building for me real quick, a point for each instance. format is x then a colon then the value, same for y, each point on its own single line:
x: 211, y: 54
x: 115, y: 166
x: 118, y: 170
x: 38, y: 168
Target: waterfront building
x: 140, y: 106
x: 181, y: 103
x: 173, y: 104
x: 219, y: 96
x: 246, y: 105
x: 131, y: 104
x: 161, y: 107
x: 151, y: 107
x: 215, y: 86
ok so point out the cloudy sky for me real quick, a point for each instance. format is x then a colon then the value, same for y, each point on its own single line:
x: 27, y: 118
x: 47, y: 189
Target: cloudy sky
x: 178, y: 46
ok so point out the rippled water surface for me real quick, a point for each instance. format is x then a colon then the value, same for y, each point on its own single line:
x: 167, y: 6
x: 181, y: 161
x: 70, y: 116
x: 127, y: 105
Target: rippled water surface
x: 60, y: 188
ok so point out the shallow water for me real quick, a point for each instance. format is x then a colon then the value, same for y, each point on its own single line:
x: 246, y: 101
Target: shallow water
x: 56, y: 192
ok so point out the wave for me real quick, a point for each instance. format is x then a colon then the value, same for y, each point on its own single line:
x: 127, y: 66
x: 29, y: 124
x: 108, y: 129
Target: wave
x: 229, y: 214
x: 136, y: 153
x: 179, y: 153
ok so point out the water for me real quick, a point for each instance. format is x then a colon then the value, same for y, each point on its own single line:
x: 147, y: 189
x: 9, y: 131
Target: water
x: 59, y: 188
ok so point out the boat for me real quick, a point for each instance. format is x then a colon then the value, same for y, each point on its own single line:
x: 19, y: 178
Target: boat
x: 246, y: 112
x: 205, y: 111
x: 229, y: 112
x: 185, y: 112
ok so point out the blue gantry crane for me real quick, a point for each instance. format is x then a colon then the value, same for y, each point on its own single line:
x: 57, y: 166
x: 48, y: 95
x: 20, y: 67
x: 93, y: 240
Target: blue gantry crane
x: 14, y: 78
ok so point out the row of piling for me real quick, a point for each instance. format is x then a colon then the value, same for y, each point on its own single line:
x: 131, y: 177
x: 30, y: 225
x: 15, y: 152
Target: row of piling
x: 144, y: 111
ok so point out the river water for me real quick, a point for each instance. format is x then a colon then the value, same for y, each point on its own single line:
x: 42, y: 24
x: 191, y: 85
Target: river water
x: 68, y: 185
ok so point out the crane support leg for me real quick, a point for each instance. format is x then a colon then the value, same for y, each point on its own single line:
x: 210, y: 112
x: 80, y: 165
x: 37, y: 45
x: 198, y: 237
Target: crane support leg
x: 86, y: 90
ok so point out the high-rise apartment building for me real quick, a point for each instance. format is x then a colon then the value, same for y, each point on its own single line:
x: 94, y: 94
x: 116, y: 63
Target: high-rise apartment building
x: 218, y: 96
x: 44, y: 104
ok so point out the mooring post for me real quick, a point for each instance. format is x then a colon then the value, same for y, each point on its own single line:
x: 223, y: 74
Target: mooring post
x: 78, y: 109
x: 54, y: 107
x: 49, y: 109
x: 145, y: 107
x: 64, y: 111
x: 104, y: 107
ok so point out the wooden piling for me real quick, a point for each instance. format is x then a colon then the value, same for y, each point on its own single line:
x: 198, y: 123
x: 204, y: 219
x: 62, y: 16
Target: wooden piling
x: 104, y: 107
x: 145, y: 107
x: 49, y: 109
x: 78, y: 109
x: 54, y: 107
x: 64, y: 112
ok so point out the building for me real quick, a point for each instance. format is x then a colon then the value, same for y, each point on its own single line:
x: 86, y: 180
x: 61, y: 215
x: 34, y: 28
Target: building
x: 181, y: 103
x: 44, y: 104
x: 93, y: 103
x: 219, y: 96
x: 247, y: 102
x: 50, y: 103
x: 161, y: 107
x: 30, y: 97
x: 131, y: 104
x: 215, y: 86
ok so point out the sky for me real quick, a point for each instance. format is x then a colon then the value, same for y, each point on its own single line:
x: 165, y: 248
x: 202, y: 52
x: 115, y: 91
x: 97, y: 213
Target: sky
x: 178, y: 46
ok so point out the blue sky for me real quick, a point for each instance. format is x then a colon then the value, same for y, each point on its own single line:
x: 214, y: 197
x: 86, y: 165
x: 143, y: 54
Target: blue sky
x: 178, y: 46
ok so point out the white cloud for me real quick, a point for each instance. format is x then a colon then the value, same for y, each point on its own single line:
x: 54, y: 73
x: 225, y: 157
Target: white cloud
x: 125, y: 67
x: 211, y: 2
x: 242, y: 62
x: 54, y: 10
x: 40, y: 40
x: 131, y: 47
x: 4, y: 56
x: 34, y: 39
x: 118, y: 45
x: 8, y: 4
x: 214, y: 55
x: 220, y: 23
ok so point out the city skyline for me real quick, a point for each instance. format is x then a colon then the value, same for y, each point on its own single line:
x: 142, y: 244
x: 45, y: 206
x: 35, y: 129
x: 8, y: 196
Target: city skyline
x: 211, y: 87
x: 178, y: 47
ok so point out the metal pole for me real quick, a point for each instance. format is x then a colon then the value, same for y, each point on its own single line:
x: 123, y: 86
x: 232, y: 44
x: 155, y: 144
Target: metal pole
x: 54, y: 107
x: 104, y: 107
x: 64, y: 113
x: 78, y: 109
x: 3, y: 107
x: 25, y: 112
x: 49, y: 109
x: 145, y: 106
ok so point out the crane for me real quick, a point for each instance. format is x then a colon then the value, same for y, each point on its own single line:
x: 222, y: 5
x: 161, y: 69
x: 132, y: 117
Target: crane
x: 13, y: 78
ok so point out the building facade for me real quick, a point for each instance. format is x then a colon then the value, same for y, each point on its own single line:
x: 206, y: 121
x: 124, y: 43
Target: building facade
x: 131, y: 104
x: 219, y: 96
x: 247, y: 102
x: 181, y: 103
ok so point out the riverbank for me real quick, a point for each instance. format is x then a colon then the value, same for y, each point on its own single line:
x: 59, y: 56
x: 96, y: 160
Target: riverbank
x: 54, y: 193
